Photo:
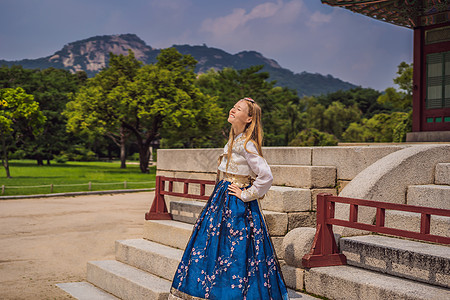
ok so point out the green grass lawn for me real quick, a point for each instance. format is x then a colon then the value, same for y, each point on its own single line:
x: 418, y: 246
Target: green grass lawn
x: 27, y: 175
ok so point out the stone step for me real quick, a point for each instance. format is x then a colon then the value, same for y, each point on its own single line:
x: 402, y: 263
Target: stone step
x: 411, y: 221
x: 168, y: 232
x: 442, y: 174
x: 149, y: 256
x: 185, y: 211
x: 176, y: 234
x: 403, y: 258
x: 85, y: 291
x: 127, y: 282
x: 431, y: 195
x: 304, y: 176
x: 352, y: 283
x: 290, y: 199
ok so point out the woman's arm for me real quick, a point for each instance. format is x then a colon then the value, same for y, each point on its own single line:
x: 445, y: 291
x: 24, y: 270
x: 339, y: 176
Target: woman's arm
x: 264, y: 177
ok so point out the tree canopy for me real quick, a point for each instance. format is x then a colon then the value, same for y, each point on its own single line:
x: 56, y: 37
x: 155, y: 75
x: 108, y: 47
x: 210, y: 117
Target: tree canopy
x: 19, y: 115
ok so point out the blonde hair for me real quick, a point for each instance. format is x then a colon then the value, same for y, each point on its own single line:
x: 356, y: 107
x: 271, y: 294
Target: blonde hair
x: 253, y: 131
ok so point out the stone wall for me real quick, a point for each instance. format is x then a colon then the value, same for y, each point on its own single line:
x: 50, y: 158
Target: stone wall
x: 300, y: 173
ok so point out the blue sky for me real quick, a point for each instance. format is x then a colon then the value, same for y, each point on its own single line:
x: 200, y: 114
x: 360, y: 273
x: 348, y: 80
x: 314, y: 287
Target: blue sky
x: 301, y: 35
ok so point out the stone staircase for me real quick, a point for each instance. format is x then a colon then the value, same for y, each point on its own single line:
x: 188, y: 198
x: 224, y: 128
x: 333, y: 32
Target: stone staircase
x: 382, y: 267
x: 144, y: 268
x: 435, y: 195
x: 378, y: 267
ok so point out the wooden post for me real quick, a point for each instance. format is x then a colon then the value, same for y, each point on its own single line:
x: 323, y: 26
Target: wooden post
x: 90, y: 186
x: 125, y: 184
x: 51, y: 188
x: 324, y: 250
x: 158, y: 210
x: 3, y: 189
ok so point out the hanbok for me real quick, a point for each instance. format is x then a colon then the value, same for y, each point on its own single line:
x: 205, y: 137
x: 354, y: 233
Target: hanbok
x: 230, y: 254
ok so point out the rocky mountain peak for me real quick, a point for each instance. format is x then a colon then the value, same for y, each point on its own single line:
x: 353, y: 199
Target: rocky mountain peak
x: 91, y: 55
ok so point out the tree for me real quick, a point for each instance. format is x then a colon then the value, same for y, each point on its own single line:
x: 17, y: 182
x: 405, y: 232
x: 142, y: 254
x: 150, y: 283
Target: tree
x: 313, y: 137
x: 281, y: 107
x: 19, y: 114
x: 93, y: 111
x: 400, y: 100
x: 52, y: 89
x: 380, y: 128
x: 143, y: 102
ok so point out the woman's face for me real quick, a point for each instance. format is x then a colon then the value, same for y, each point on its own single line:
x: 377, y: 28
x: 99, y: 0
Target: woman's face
x: 239, y: 114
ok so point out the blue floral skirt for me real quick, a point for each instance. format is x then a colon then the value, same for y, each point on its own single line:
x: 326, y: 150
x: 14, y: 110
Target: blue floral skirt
x: 229, y: 255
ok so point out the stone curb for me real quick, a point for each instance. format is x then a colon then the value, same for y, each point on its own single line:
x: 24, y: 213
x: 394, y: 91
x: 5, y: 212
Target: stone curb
x: 75, y: 194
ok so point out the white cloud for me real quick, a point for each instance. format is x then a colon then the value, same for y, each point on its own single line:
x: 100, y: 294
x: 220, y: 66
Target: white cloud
x: 238, y: 21
x: 318, y: 18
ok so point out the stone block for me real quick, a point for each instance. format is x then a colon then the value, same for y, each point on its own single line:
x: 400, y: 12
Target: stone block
x: 411, y: 221
x: 341, y: 184
x: 350, y: 160
x: 288, y: 155
x: 403, y: 258
x: 315, y: 192
x: 436, y: 196
x: 278, y: 246
x: 186, y: 211
x: 189, y: 160
x: 293, y: 276
x: 276, y: 222
x: 442, y: 175
x: 301, y: 219
x: 351, y: 283
x: 85, y: 290
x: 167, y: 232
x: 388, y: 178
x: 287, y: 199
x: 151, y: 257
x: 127, y: 282
x: 304, y: 176
x: 296, y: 244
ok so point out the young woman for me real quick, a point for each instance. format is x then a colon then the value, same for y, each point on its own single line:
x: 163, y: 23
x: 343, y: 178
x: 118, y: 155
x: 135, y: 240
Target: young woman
x: 230, y: 254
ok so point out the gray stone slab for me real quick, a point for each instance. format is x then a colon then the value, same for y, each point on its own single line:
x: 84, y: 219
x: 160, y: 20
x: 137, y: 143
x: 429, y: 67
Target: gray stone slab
x: 287, y: 199
x: 127, y: 282
x: 85, y: 291
x: 293, y: 276
x: 301, y: 219
x: 352, y: 283
x: 411, y: 221
x: 277, y: 223
x: 149, y: 256
x: 297, y: 295
x: 167, y: 232
x: 350, y: 160
x: 189, y: 160
x: 288, y: 155
x: 403, y: 258
x: 442, y: 175
x: 186, y: 211
x: 436, y: 196
x: 304, y: 176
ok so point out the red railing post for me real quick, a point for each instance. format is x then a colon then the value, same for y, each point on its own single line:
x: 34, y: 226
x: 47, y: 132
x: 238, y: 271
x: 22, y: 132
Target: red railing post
x: 324, y: 250
x: 158, y: 210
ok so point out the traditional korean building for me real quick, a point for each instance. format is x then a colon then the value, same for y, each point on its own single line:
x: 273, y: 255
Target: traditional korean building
x: 430, y: 21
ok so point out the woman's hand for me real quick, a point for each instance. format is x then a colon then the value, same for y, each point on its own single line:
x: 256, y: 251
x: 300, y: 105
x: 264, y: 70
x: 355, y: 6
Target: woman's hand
x: 234, y: 190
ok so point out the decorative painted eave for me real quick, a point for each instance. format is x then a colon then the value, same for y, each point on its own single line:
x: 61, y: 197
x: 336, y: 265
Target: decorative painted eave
x: 406, y: 13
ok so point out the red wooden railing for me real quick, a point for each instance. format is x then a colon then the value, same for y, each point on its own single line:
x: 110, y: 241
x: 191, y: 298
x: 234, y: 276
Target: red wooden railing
x: 158, y: 210
x: 324, y: 250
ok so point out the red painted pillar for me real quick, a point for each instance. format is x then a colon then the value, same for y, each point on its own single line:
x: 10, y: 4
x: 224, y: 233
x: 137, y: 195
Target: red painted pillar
x: 158, y: 211
x: 418, y: 80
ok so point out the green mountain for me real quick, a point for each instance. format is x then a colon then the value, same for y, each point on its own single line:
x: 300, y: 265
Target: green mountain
x: 91, y: 55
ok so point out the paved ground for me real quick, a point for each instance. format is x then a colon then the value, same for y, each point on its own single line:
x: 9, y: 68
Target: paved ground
x: 45, y: 241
